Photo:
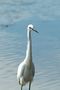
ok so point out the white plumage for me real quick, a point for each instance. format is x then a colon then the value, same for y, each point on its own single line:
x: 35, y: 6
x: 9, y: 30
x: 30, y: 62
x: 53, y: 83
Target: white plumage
x: 26, y: 69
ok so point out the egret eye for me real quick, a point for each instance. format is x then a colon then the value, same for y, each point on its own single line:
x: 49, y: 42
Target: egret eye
x: 30, y: 27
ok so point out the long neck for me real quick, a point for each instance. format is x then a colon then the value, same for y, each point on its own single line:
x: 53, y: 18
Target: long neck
x: 29, y: 47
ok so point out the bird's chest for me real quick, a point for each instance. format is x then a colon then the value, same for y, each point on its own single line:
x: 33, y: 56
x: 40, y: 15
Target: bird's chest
x: 27, y: 73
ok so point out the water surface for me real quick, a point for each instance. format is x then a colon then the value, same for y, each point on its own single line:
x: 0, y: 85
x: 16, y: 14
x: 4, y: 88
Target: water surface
x: 15, y: 16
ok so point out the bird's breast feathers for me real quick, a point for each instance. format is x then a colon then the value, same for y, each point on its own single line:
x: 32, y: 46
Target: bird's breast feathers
x: 25, y: 73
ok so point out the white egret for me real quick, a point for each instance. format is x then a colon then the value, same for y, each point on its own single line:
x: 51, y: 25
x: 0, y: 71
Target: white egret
x: 26, y: 69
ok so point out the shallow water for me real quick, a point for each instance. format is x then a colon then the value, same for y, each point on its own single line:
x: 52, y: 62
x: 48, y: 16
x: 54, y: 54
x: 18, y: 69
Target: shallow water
x: 46, y: 44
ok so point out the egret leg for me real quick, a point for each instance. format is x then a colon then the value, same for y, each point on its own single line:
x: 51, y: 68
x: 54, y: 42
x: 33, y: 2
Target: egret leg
x: 21, y: 87
x: 29, y: 85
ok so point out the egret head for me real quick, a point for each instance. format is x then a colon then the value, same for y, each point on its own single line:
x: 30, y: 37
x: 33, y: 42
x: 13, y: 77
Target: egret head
x: 31, y: 28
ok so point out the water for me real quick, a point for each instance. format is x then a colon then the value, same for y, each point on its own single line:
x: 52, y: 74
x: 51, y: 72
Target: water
x: 15, y: 15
